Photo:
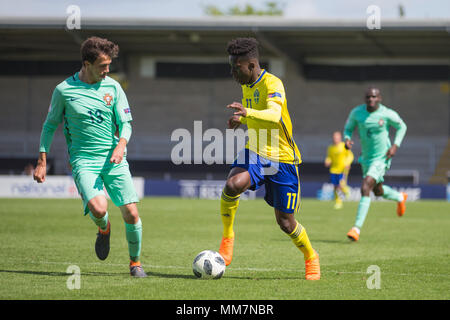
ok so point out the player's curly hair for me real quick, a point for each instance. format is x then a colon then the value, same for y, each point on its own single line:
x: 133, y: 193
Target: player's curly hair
x: 243, y: 47
x: 92, y: 47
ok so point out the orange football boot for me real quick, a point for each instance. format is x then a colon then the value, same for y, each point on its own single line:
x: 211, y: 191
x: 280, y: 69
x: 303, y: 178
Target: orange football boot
x: 353, y: 234
x: 226, y: 249
x: 312, y: 268
x: 401, y: 205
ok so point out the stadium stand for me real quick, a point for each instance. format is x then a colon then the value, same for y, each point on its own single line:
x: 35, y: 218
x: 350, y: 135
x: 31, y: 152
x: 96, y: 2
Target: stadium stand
x: 175, y: 72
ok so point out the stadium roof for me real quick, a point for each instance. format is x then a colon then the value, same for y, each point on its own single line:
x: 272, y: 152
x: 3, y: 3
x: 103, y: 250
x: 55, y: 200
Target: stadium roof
x: 294, y: 39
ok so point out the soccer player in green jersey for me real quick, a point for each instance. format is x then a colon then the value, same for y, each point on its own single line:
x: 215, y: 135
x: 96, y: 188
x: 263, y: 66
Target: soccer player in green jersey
x: 373, y: 121
x: 97, y: 128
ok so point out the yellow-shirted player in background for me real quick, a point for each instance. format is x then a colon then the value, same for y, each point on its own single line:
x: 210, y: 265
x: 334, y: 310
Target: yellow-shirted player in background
x: 339, y: 160
x: 270, y: 158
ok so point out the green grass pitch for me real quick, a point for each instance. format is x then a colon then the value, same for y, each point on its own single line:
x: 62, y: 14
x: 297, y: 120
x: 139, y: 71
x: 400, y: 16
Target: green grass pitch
x: 40, y: 239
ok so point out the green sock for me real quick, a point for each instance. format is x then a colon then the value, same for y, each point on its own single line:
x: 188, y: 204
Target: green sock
x: 391, y: 194
x: 134, y: 237
x: 363, y: 209
x: 102, y: 222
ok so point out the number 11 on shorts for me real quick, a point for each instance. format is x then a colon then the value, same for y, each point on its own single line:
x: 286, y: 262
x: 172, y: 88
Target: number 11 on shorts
x: 293, y: 196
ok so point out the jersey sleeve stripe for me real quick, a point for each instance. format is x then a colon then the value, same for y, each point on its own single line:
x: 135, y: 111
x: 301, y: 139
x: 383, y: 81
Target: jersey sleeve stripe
x: 290, y: 141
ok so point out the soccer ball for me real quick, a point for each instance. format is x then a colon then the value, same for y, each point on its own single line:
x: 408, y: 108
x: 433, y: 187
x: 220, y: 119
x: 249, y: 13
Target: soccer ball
x: 208, y: 264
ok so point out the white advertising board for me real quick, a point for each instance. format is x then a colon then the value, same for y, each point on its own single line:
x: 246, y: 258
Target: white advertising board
x: 12, y: 186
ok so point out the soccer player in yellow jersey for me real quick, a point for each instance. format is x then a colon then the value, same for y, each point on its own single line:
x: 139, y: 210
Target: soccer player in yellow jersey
x: 270, y: 158
x: 338, y: 160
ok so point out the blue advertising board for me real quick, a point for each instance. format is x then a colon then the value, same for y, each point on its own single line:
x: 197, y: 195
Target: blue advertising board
x: 212, y: 189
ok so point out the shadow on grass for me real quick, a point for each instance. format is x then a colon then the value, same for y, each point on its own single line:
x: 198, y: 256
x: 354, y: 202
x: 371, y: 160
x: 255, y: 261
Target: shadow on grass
x: 341, y: 241
x: 265, y: 278
x: 150, y: 274
x: 171, y: 276
x: 192, y: 277
x: 61, y: 274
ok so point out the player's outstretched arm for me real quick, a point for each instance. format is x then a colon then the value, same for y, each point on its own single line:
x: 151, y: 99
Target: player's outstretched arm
x: 397, y: 122
x: 327, y: 161
x: 239, y: 109
x: 235, y: 121
x: 350, y: 125
x: 391, y: 151
x: 271, y: 114
x: 119, y: 150
x: 348, y: 144
x: 41, y: 168
x: 124, y: 136
x: 54, y: 118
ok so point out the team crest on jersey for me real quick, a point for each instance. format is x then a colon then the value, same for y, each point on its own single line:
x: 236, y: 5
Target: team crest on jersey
x: 381, y: 122
x: 256, y: 96
x: 108, y: 99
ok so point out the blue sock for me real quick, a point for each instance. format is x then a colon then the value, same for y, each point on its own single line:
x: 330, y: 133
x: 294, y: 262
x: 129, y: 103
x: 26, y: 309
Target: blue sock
x: 363, y: 209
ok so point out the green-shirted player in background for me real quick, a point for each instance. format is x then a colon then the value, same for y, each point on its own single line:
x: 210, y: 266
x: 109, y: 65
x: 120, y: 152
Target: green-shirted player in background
x: 97, y: 128
x: 373, y: 121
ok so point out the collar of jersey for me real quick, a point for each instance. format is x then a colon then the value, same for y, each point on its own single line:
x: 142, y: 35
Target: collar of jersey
x: 259, y: 78
x: 76, y: 77
x: 379, y: 108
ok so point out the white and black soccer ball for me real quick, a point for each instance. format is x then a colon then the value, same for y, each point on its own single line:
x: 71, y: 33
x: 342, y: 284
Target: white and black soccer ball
x: 208, y: 264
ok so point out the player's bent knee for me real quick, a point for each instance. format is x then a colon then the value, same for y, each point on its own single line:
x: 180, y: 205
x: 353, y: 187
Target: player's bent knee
x: 234, y: 186
x: 98, y: 206
x: 286, y: 225
x: 130, y: 213
x: 378, y: 190
x: 378, y: 193
x: 98, y: 211
x: 365, y: 189
x: 285, y: 228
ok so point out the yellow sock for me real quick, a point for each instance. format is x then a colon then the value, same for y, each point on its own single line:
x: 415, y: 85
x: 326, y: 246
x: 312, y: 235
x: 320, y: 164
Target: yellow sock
x: 228, y: 208
x: 344, y: 187
x: 337, y: 198
x: 300, y: 239
x: 346, y: 190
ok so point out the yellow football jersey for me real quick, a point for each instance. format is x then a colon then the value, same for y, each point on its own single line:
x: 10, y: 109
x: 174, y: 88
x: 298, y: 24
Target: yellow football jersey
x: 340, y: 157
x: 271, y: 138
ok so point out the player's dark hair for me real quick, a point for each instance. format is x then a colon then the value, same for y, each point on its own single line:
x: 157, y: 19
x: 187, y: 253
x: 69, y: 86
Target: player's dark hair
x: 92, y: 47
x: 243, y: 47
x: 370, y: 88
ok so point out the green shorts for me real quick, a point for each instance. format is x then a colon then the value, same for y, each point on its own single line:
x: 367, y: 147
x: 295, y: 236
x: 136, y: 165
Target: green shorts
x: 375, y: 169
x: 92, y: 179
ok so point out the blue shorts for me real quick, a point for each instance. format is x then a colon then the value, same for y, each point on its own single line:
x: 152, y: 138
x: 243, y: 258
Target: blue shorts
x: 335, y: 179
x: 281, y: 180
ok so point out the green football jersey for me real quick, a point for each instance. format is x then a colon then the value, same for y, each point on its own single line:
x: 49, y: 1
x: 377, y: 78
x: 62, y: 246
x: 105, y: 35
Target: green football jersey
x: 373, y: 128
x: 91, y: 114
